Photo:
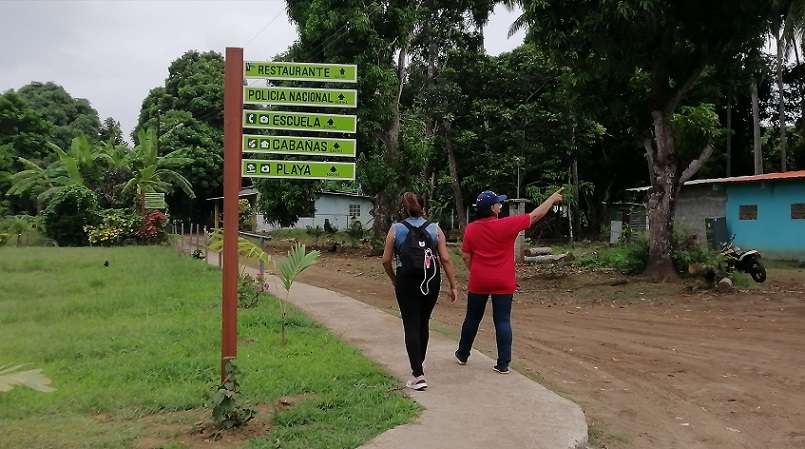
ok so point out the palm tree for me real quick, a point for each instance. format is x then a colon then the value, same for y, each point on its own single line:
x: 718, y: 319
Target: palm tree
x: 521, y: 22
x: 44, y: 182
x: 155, y: 173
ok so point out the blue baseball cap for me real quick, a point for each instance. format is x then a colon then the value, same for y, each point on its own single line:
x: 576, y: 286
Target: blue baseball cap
x: 488, y: 198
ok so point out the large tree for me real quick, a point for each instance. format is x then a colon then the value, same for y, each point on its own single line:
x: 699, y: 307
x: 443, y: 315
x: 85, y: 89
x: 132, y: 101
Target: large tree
x: 665, y: 45
x: 187, y: 116
x: 70, y: 117
x: 375, y: 35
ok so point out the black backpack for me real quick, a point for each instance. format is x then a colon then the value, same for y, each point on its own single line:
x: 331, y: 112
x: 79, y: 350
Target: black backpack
x: 417, y: 251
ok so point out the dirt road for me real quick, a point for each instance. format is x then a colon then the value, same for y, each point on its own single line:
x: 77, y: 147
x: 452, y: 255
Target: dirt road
x: 654, y: 366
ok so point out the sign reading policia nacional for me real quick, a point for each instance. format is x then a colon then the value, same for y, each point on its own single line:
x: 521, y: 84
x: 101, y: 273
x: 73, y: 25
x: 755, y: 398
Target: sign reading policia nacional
x: 301, y: 96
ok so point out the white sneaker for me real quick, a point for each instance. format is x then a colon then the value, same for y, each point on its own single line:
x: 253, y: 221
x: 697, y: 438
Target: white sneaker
x: 417, y: 383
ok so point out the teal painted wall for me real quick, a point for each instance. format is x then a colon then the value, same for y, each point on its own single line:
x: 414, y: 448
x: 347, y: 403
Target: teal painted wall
x: 774, y: 233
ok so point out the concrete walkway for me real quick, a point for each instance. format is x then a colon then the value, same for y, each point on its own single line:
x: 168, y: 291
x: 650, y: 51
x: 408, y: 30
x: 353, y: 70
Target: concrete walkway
x: 466, y: 407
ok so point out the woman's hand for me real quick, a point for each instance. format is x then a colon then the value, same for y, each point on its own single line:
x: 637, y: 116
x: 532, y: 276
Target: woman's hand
x: 453, y: 295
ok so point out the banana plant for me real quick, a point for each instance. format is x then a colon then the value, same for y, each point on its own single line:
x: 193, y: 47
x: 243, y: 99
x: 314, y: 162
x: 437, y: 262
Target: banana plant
x: 12, y: 376
x: 298, y: 261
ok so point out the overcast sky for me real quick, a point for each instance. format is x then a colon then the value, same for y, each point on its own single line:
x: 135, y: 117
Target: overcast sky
x: 113, y: 52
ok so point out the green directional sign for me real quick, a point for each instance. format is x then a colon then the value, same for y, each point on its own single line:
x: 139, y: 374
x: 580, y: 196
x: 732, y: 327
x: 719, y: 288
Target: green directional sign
x: 299, y: 121
x: 154, y: 200
x: 302, y: 71
x: 308, y: 146
x: 334, y: 171
x: 300, y: 96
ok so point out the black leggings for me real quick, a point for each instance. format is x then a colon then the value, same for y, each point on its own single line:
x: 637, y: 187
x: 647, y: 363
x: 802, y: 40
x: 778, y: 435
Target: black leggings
x: 416, y: 309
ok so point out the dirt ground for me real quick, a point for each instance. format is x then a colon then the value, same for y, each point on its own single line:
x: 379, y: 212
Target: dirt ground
x: 657, y: 366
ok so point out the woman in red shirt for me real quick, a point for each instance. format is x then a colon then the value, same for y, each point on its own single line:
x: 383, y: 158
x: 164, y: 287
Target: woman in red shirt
x: 488, y: 251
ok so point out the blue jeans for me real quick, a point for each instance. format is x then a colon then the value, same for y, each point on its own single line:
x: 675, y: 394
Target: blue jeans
x: 501, y: 313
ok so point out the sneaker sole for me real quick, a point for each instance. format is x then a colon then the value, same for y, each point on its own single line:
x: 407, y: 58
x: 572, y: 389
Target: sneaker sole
x: 458, y: 360
x: 417, y: 387
x: 499, y: 371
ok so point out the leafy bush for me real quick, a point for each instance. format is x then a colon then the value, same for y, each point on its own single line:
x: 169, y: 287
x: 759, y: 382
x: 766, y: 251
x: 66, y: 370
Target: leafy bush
x: 249, y: 290
x: 687, y: 251
x: 3, y: 238
x: 315, y: 232
x: 247, y: 217
x: 69, y: 211
x: 329, y: 228
x: 355, y: 231
x: 117, y: 225
x: 226, y: 412
x: 629, y: 258
x: 152, y: 228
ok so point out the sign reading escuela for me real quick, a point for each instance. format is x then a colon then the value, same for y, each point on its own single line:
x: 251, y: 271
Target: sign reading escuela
x: 308, y: 146
x: 300, y: 96
x: 334, y: 171
x: 302, y: 71
x: 299, y: 121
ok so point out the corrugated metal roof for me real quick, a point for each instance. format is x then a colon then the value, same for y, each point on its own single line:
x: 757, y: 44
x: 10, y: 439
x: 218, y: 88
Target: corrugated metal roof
x: 799, y: 174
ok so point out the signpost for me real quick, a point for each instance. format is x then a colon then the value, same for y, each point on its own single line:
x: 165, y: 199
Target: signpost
x: 299, y: 121
x: 236, y: 143
x: 307, y: 146
x: 154, y: 200
x: 334, y: 171
x: 301, y: 96
x: 302, y: 71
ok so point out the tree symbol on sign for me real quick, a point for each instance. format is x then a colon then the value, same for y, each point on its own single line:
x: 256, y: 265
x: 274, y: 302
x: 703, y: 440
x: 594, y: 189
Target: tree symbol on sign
x: 341, y: 98
x: 343, y: 72
x: 337, y: 146
x: 333, y: 169
x: 330, y: 122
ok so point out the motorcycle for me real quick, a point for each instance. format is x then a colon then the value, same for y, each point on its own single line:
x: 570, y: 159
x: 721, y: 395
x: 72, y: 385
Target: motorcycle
x: 746, y: 261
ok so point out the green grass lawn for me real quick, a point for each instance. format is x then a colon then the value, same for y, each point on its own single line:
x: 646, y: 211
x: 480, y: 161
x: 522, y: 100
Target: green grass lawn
x: 140, y: 338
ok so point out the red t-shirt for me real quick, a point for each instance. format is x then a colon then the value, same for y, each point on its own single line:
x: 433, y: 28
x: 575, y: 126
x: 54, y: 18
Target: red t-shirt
x: 491, y: 243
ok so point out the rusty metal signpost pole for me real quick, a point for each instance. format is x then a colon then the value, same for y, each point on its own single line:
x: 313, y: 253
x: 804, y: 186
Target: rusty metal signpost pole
x: 233, y: 131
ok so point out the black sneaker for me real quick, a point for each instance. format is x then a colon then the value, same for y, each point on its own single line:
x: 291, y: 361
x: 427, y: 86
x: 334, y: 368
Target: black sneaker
x: 461, y: 361
x: 501, y: 369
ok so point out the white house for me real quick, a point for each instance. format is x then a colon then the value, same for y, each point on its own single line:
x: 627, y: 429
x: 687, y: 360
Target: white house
x: 339, y: 208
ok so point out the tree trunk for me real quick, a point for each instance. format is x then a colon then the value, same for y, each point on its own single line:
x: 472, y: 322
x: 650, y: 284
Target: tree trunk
x: 757, y: 150
x: 662, y: 200
x: 666, y: 182
x: 455, y: 183
x: 384, y: 201
x: 781, y: 106
x: 729, y: 136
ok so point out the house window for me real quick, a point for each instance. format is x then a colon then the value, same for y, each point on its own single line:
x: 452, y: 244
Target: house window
x: 748, y: 212
x: 798, y: 211
x: 354, y: 210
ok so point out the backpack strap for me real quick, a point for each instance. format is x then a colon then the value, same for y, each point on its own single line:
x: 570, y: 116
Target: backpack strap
x: 425, y: 226
x: 407, y: 225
